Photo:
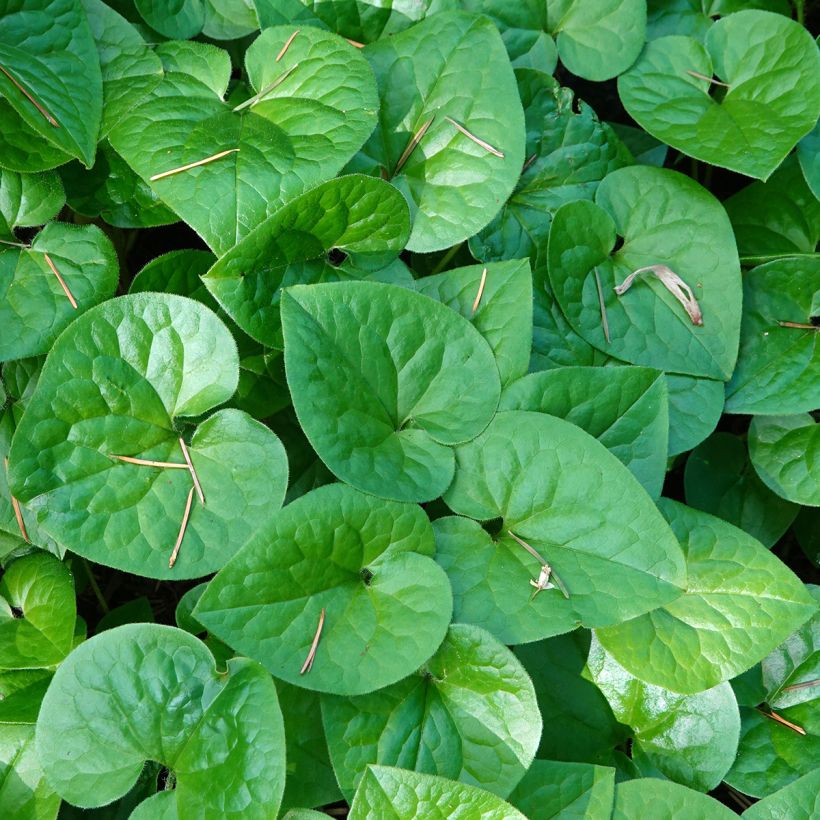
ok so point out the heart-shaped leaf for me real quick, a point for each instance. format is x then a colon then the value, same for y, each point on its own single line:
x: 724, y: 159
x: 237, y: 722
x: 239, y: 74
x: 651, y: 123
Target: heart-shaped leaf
x: 384, y: 382
x: 137, y: 366
x: 651, y: 797
x: 767, y: 98
x: 563, y: 496
x: 313, y: 110
x: 691, y: 739
x: 27, y: 200
x: 450, y: 134
x: 394, y: 794
x: 778, y: 368
x: 470, y: 711
x: 376, y: 611
x: 67, y: 270
x: 740, y: 603
x: 37, y: 613
x: 148, y: 692
x: 625, y: 408
x: 667, y: 223
x: 365, y: 218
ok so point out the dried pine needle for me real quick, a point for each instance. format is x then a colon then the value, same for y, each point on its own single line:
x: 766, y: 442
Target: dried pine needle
x: 144, y: 462
x: 708, y: 79
x: 411, y: 146
x: 477, y: 140
x: 354, y: 43
x: 18, y: 513
x: 193, y: 471
x: 805, y: 685
x: 787, y: 723
x: 604, y: 320
x: 286, y: 46
x: 182, y: 527
x: 799, y: 325
x: 61, y: 281
x: 193, y: 164
x: 308, y: 664
x: 267, y: 89
x: 480, y: 293
x: 30, y: 98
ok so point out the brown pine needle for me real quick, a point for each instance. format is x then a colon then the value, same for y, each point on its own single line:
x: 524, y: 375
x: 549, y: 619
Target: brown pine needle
x: 193, y: 164
x: 529, y: 162
x: 182, y: 527
x: 193, y: 471
x: 527, y: 547
x: 480, y: 291
x: 144, y: 462
x: 604, y: 320
x: 354, y: 43
x: 61, y: 281
x: 708, y: 79
x: 31, y: 99
x: 286, y: 46
x: 787, y: 723
x: 673, y: 283
x: 806, y: 685
x: 267, y: 89
x: 18, y: 513
x: 477, y: 140
x: 308, y: 664
x: 14, y: 244
x: 799, y: 325
x: 411, y: 146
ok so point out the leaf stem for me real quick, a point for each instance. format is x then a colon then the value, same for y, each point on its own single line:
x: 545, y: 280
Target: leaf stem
x: 95, y: 587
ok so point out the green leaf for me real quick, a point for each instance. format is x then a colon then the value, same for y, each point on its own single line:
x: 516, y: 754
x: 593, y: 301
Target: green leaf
x: 299, y: 134
x: 553, y: 789
x: 397, y: 794
x: 808, y: 155
x: 691, y: 739
x: 644, y: 147
x: 741, y: 602
x: 364, y: 218
x: 772, y: 68
x: 429, y: 72
x: 778, y: 368
x: 468, y: 714
x: 152, y: 692
x: 560, y: 491
x: 229, y: 19
x: 387, y: 603
x: 37, y: 613
x: 800, y: 798
x: 23, y: 149
x: 625, y: 408
x: 27, y: 200
x: 785, y: 452
x: 648, y: 797
x: 695, y: 407
x: 47, y: 46
x: 664, y: 218
x: 24, y: 792
x: 177, y: 19
x: 720, y: 480
x: 137, y: 366
x: 384, y: 382
x: 35, y: 307
x: 502, y: 314
x: 137, y: 611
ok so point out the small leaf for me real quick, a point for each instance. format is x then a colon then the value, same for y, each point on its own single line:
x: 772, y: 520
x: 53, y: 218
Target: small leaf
x: 649, y: 797
x: 27, y: 200
x: 799, y: 798
x: 177, y: 19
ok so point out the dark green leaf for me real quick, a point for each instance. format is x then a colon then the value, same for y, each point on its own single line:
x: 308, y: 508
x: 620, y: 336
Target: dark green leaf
x: 27, y: 200
x: 178, y: 19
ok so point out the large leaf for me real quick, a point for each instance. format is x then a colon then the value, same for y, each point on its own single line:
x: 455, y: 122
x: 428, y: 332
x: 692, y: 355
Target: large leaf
x: 147, y: 692
x: 800, y: 798
x: 364, y: 218
x: 398, y: 794
x: 740, y: 603
x: 785, y: 452
x: 300, y: 133
x: 625, y: 408
x: 34, y: 306
x: 650, y: 797
x: 27, y: 200
x: 778, y: 369
x: 664, y: 218
x: 454, y: 184
x: 468, y: 714
x: 37, y: 613
x: 384, y: 382
x: 48, y: 48
x: 387, y: 605
x: 772, y: 69
x: 566, y: 496
x: 135, y: 367
x: 720, y: 480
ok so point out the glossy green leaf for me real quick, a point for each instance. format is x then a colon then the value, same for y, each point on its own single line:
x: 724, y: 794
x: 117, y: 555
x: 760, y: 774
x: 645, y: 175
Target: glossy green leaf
x: 695, y: 17
x: 740, y: 603
x: 695, y: 407
x: 23, y: 149
x: 24, y: 792
x: 691, y: 739
x: 468, y: 714
x: 34, y: 306
x: 664, y: 218
x: 37, y: 613
x: 178, y: 19
x: 560, y: 491
x: 364, y: 218
x: 118, y: 383
x: 384, y: 382
x: 625, y: 408
x: 229, y: 19
x: 785, y: 452
x: 387, y: 604
x: 800, y: 798
x: 502, y: 314
x: 48, y: 47
x: 778, y: 368
x: 772, y: 68
x: 644, y: 147
x: 398, y: 794
x: 153, y: 692
x: 454, y: 185
x: 648, y: 797
x: 300, y: 132
x: 720, y: 480
x: 808, y: 155
x: 27, y: 200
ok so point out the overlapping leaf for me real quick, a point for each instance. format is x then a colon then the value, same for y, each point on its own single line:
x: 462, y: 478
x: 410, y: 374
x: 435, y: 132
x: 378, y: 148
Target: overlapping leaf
x: 27, y: 200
